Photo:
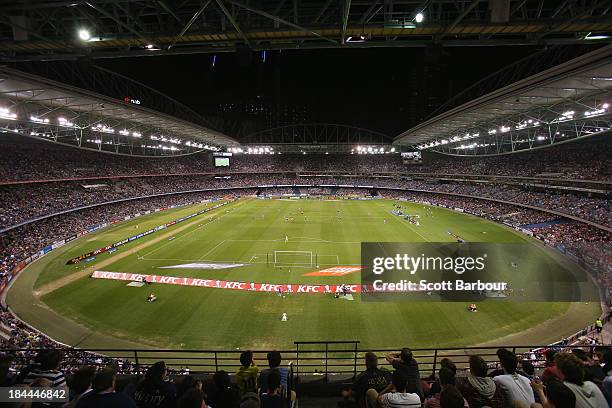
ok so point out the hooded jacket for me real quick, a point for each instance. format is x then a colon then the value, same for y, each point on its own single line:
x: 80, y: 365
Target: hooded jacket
x: 588, y: 395
x: 478, y: 391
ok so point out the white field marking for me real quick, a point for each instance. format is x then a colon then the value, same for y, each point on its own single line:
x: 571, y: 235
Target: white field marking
x: 295, y: 240
x: 329, y: 256
x: 212, y: 249
x: 210, y: 220
x: 407, y: 224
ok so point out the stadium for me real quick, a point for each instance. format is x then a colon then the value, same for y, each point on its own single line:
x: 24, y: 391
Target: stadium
x: 191, y: 190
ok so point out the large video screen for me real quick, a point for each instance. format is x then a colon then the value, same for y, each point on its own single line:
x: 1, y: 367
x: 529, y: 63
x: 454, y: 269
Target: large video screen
x: 222, y: 161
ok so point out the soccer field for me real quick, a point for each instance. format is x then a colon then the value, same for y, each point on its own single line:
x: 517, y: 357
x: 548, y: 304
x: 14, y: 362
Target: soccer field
x: 277, y: 241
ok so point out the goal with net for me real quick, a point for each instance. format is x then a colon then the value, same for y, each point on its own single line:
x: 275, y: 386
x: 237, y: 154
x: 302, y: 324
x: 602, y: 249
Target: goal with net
x: 292, y: 258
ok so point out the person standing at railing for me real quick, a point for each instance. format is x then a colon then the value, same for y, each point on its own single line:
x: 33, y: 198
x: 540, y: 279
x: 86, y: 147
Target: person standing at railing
x: 408, y: 366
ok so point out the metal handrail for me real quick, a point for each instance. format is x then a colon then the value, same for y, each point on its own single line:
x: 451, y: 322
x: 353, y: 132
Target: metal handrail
x: 324, y: 361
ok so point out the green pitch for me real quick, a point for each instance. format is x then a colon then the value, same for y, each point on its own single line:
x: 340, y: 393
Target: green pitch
x: 279, y: 241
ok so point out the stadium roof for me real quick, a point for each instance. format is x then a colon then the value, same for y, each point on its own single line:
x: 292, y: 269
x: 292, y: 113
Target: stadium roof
x: 566, y: 102
x: 55, y: 29
x: 40, y: 107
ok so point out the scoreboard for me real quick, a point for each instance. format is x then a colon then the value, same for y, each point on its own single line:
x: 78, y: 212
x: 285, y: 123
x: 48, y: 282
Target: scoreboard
x: 222, y: 159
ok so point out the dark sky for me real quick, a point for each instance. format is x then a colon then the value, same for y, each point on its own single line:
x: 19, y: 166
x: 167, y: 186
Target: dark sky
x: 388, y: 90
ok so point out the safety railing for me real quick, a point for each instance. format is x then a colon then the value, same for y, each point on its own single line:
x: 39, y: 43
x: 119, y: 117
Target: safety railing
x: 327, y: 359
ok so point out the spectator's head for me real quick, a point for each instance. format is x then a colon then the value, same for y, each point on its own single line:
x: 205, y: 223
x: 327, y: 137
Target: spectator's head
x: 406, y: 355
x: 41, y: 382
x: 50, y: 360
x: 274, y: 381
x: 246, y: 358
x: 607, y: 360
x: 221, y: 380
x: 250, y: 400
x: 274, y: 359
x: 581, y: 354
x: 193, y: 398
x: 528, y: 368
x: 448, y: 363
x: 82, y: 379
x: 508, y: 360
x: 450, y: 397
x: 104, y: 380
x: 5, y: 366
x: 156, y: 373
x: 399, y: 380
x: 550, y: 357
x: 447, y: 376
x: 570, y: 367
x: 371, y: 360
x: 478, y: 367
x: 559, y: 395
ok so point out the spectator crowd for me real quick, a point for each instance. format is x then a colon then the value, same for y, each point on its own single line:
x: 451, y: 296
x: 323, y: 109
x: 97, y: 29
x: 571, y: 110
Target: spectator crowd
x: 564, y: 377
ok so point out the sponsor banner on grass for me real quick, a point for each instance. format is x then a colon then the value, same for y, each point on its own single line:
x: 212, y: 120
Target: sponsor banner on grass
x: 80, y: 258
x: 223, y: 284
x: 203, y: 266
x: 335, y: 271
x: 470, y: 272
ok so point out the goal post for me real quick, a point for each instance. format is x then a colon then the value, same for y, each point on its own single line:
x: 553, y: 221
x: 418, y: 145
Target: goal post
x: 293, y: 258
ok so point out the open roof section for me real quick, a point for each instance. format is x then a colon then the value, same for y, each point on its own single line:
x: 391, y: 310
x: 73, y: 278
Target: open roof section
x: 567, y: 102
x: 39, y: 107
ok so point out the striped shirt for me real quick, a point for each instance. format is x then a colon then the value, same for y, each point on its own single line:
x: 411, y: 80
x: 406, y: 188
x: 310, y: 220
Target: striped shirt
x: 56, y: 377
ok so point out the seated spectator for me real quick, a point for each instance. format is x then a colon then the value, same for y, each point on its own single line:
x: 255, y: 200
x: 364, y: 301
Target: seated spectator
x: 551, y: 372
x: 154, y: 391
x: 435, y: 386
x: 5, y: 371
x: 103, y: 394
x: 592, y: 371
x: 250, y: 400
x: 49, y: 365
x: 405, y: 363
x: 273, y: 397
x: 446, y: 379
x: 372, y: 378
x: 274, y: 362
x: 394, y: 396
x: 557, y: 395
x: 511, y: 387
x: 246, y: 376
x: 450, y: 397
x: 80, y: 384
x: 587, y: 393
x: 477, y: 388
x: 186, y: 384
x: 223, y: 394
x: 193, y: 398
x: 607, y: 382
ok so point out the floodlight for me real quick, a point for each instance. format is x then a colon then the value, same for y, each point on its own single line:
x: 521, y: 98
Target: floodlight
x: 84, y: 34
x: 419, y: 18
